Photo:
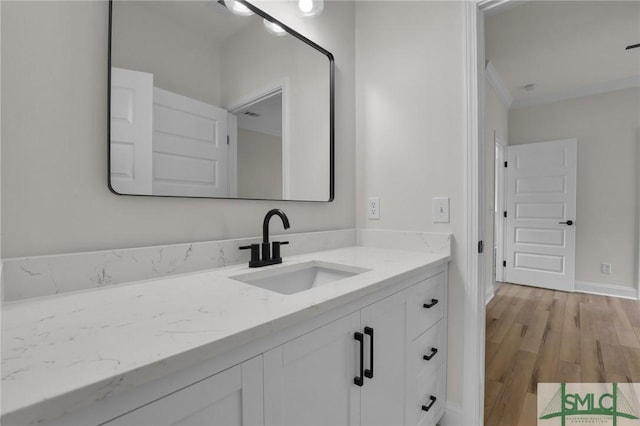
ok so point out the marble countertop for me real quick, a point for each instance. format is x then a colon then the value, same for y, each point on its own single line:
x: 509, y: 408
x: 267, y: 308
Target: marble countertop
x: 65, y: 351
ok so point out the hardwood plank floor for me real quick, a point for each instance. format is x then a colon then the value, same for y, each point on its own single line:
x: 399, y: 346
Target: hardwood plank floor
x: 535, y: 336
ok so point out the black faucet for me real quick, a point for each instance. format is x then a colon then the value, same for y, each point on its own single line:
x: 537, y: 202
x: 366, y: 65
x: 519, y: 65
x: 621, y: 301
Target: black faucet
x: 270, y: 251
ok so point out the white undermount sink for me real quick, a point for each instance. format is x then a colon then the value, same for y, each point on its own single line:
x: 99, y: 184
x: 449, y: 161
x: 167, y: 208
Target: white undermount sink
x: 292, y: 279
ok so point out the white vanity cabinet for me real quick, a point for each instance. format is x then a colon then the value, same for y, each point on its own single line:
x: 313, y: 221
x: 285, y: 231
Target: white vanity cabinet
x: 316, y: 379
x: 231, y: 397
x: 426, y: 353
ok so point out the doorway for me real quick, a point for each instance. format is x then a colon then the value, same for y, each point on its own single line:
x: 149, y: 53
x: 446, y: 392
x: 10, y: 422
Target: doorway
x: 529, y: 106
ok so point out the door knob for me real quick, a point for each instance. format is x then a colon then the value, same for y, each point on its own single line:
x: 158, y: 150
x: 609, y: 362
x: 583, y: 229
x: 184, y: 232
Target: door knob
x: 569, y: 222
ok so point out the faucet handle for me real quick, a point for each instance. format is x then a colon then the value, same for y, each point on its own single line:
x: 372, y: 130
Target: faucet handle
x: 255, y: 251
x: 276, y: 248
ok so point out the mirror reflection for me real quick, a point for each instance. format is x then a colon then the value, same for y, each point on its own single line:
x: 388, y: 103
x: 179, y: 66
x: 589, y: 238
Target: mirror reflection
x: 208, y: 103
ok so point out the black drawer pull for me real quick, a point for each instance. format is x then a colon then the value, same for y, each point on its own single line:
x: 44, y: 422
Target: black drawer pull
x: 433, y: 303
x: 358, y: 380
x: 369, y: 372
x: 428, y: 407
x: 433, y: 353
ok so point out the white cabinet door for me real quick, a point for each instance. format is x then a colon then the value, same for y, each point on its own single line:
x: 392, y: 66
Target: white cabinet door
x: 310, y: 380
x: 231, y: 397
x: 383, y: 398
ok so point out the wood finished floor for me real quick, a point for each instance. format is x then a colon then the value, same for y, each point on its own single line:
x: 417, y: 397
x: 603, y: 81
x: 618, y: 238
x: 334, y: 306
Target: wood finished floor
x: 536, y: 336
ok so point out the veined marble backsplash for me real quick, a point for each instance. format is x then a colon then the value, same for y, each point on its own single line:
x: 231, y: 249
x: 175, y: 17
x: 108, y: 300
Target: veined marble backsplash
x: 427, y: 242
x: 28, y: 277
x: 37, y: 276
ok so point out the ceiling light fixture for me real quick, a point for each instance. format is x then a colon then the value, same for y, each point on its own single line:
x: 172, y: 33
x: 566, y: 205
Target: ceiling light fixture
x: 273, y: 28
x: 310, y: 7
x: 238, y: 8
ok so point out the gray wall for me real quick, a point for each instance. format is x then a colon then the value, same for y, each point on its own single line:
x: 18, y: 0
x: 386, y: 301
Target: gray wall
x: 181, y: 61
x: 410, y: 112
x: 54, y: 162
x: 259, y: 165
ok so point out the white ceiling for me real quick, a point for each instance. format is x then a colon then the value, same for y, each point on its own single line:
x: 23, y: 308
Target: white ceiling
x: 268, y: 119
x: 563, y: 46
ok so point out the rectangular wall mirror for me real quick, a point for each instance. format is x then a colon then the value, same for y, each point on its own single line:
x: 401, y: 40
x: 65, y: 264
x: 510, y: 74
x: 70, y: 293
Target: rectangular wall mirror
x: 208, y: 103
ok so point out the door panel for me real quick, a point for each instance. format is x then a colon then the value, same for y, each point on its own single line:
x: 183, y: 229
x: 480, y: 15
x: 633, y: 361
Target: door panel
x: 541, y: 193
x: 189, y: 146
x: 231, y: 397
x: 309, y: 381
x: 131, y: 131
x: 383, y: 399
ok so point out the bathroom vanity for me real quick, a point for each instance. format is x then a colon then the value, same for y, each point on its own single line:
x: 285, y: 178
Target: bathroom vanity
x: 363, y: 341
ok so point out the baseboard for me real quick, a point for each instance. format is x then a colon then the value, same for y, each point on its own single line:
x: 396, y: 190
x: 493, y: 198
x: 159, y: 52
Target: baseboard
x: 489, y: 296
x: 606, y: 290
x: 452, y: 415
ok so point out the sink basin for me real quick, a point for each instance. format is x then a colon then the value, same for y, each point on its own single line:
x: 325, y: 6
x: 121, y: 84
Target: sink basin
x: 293, y: 279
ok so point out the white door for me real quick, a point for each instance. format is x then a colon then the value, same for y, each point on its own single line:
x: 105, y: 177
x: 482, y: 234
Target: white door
x: 383, y: 398
x: 541, y: 214
x: 310, y: 380
x: 231, y: 397
x: 189, y: 146
x: 131, y: 131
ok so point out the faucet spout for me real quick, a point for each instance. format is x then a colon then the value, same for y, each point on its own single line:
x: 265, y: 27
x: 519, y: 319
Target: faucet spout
x: 267, y: 218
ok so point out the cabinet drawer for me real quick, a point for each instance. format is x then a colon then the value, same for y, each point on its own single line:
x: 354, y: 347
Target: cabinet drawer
x: 426, y: 304
x: 432, y: 344
x: 427, y: 393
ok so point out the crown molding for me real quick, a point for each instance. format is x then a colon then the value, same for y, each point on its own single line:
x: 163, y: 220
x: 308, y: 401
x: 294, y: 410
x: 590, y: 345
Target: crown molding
x: 590, y: 90
x: 498, y: 85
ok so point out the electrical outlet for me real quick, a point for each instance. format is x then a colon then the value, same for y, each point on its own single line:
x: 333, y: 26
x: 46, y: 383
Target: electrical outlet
x: 373, y: 208
x: 605, y: 268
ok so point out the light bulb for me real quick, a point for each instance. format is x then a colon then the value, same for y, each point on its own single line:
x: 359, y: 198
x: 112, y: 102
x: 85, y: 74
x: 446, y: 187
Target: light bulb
x: 310, y: 7
x: 305, y: 5
x: 273, y: 28
x: 238, y: 8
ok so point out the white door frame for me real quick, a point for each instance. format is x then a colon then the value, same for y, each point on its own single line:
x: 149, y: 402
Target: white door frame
x: 474, y: 320
x: 263, y: 93
x: 500, y: 202
x: 638, y: 218
x: 474, y: 300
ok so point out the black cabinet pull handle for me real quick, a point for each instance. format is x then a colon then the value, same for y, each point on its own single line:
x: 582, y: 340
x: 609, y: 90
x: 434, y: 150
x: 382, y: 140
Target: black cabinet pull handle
x: 430, y: 305
x: 428, y: 407
x: 358, y: 380
x: 433, y: 353
x: 369, y: 372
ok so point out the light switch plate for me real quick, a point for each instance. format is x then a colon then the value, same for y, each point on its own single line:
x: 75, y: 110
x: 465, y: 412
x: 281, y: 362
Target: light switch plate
x: 441, y: 210
x: 373, y: 208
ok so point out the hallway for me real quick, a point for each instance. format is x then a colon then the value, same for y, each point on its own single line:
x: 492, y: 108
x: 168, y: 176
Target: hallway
x: 535, y: 335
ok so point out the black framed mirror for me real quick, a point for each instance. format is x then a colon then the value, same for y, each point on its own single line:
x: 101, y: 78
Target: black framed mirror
x: 204, y: 102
